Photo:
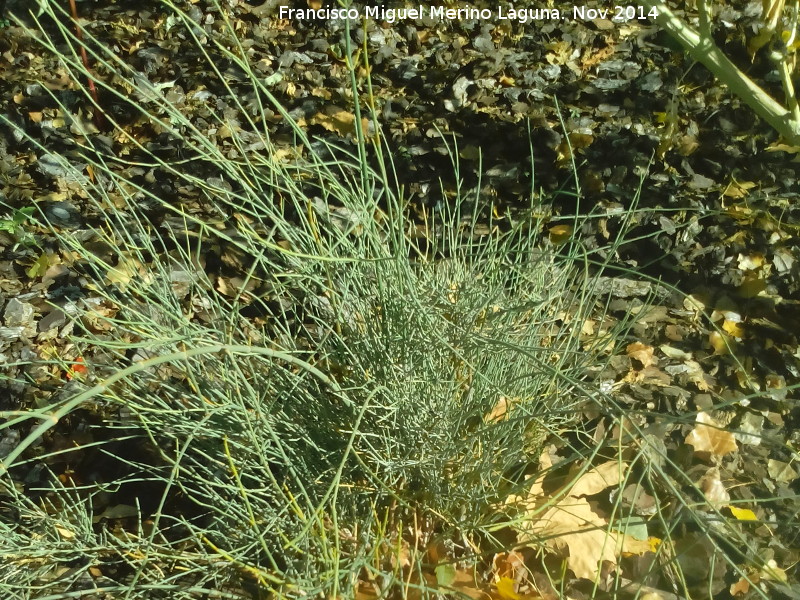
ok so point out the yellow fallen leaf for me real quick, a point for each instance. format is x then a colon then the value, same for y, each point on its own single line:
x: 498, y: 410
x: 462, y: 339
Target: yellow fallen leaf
x: 572, y: 528
x: 751, y: 262
x: 743, y: 514
x: 65, y: 533
x: 505, y: 587
x: 128, y: 268
x: 720, y: 343
x: 629, y: 546
x: 560, y: 234
x: 338, y: 120
x: 738, y: 189
x: 733, y: 328
x: 783, y: 148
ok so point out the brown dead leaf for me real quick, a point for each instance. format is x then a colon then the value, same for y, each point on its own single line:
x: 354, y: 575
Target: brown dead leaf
x: 649, y: 376
x: 338, y: 120
x: 697, y: 376
x: 592, y: 57
x: 464, y: 583
x: 501, y: 410
x: 573, y: 529
x: 510, y: 567
x: 740, y: 588
x: 713, y: 489
x: 599, y: 478
x: 642, y: 353
x: 366, y: 590
x: 708, y: 439
x: 401, y: 556
x: 128, y: 269
x: 781, y: 471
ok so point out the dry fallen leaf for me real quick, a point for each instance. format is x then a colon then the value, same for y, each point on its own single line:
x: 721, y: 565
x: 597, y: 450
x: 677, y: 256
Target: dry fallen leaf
x: 781, y: 471
x: 599, y: 478
x: 465, y: 585
x: 709, y: 439
x: 771, y: 572
x: 500, y: 410
x: 713, y: 489
x: 505, y: 588
x: 720, y: 342
x: 511, y: 565
x: 696, y: 375
x: 752, y: 286
x: 560, y: 234
x: 743, y: 514
x: 642, y: 353
x: 573, y: 529
x: 338, y: 120
x: 733, y: 328
x: 128, y: 269
x: 740, y: 588
x: 65, y: 533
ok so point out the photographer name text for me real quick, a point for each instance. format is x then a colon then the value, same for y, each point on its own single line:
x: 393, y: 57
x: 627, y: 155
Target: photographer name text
x: 619, y: 14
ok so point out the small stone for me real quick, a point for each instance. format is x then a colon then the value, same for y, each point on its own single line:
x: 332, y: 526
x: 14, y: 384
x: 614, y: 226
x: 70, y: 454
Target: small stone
x: 52, y: 166
x: 9, y: 439
x: 55, y: 318
x: 9, y: 334
x: 18, y: 313
x: 63, y: 213
x: 181, y: 282
x: 60, y: 212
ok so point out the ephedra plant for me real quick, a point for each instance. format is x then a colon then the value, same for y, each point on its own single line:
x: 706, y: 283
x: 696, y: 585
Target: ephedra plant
x: 284, y: 384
